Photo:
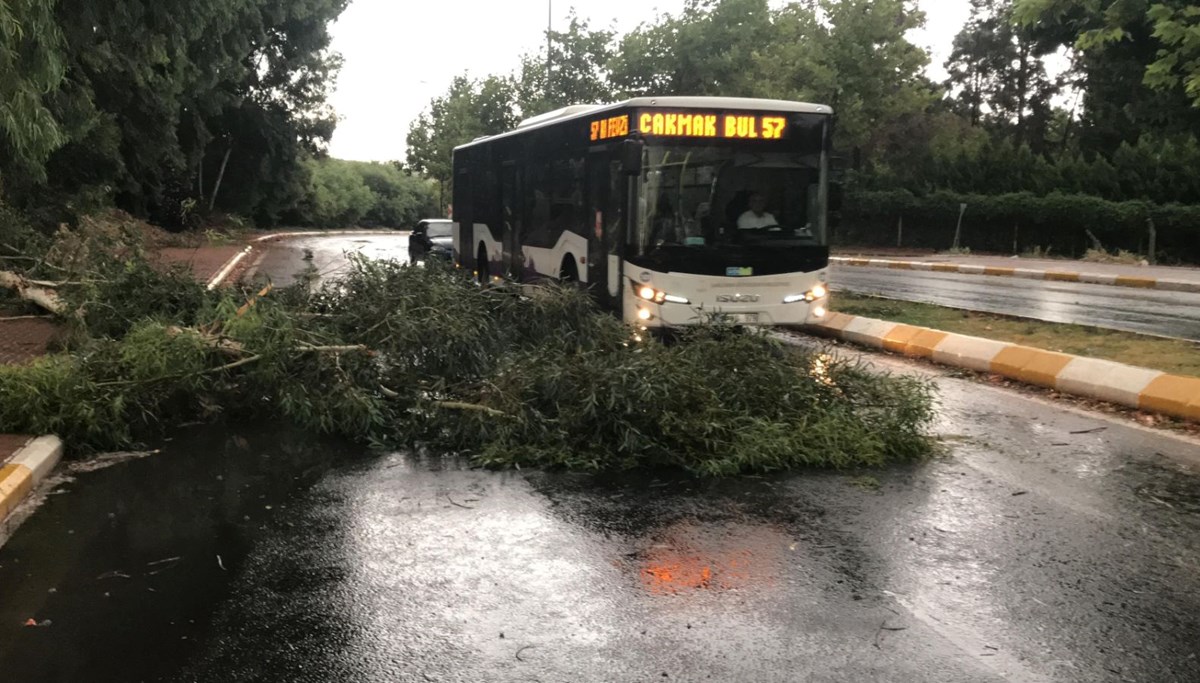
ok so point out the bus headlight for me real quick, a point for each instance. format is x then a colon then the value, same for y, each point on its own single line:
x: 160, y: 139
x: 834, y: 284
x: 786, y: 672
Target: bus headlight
x: 649, y: 293
x: 818, y: 292
x: 819, y: 312
x: 643, y: 314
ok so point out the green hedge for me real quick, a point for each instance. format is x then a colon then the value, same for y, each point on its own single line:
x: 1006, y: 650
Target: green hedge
x: 1015, y: 223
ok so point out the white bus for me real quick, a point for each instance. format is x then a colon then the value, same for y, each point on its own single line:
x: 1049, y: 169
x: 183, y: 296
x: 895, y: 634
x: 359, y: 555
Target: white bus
x: 668, y: 209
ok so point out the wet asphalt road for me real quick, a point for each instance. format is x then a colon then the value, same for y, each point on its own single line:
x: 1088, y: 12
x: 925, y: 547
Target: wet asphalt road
x: 281, y: 260
x: 1045, y: 545
x: 1163, y: 313
x: 1170, y: 314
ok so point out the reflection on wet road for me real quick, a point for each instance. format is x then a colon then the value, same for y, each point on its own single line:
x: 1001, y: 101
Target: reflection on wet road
x: 1044, y: 545
x: 281, y: 260
x: 1031, y: 552
x: 1164, y: 313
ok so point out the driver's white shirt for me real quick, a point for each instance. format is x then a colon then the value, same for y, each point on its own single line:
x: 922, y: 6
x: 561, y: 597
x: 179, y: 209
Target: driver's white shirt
x: 749, y: 221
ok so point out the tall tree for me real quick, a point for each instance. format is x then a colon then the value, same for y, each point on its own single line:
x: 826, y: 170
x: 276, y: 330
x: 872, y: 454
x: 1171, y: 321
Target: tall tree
x: 31, y: 68
x: 710, y: 48
x: 853, y: 55
x: 1137, y: 58
x: 468, y: 110
x: 1178, y: 60
x: 577, y: 73
x: 998, y: 75
x: 157, y: 95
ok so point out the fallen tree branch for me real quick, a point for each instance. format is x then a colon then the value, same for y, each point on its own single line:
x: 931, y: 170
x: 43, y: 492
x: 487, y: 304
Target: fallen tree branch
x: 334, y: 349
x: 458, y: 405
x: 252, y: 300
x: 46, y: 298
x: 163, y: 378
x: 226, y: 346
x: 64, y: 283
x: 228, y: 366
x: 20, y: 256
x: 235, y: 364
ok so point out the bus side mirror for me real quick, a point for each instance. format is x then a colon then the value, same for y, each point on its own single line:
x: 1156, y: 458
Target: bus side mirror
x: 631, y: 157
x: 836, y: 195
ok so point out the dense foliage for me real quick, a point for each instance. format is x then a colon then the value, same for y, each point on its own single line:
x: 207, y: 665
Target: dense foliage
x: 1119, y: 124
x: 1020, y: 223
x: 168, y: 109
x: 357, y: 193
x: 403, y: 356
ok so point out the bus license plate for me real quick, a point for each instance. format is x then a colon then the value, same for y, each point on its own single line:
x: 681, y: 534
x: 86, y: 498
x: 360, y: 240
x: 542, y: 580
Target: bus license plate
x: 745, y: 318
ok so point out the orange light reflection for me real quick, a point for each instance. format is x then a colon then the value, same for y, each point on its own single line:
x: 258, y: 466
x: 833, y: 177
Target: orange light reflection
x: 691, y: 556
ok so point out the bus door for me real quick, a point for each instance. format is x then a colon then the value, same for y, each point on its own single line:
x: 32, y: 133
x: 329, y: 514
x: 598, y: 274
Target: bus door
x: 510, y: 207
x: 603, y: 227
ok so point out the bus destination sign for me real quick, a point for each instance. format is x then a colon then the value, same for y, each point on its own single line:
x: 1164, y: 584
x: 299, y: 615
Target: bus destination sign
x: 704, y: 125
x: 615, y: 127
x: 693, y: 124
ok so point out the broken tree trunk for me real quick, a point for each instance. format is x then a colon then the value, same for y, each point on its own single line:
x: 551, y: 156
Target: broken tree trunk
x: 212, y: 201
x: 44, y: 297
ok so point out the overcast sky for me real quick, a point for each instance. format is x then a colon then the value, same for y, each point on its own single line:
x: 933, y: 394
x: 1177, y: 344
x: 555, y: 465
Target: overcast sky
x: 400, y: 54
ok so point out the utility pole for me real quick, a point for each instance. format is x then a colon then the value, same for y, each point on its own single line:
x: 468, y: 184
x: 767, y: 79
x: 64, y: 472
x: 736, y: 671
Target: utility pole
x: 549, y: 25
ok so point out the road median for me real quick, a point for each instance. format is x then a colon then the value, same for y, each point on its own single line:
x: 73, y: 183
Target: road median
x: 1127, y: 385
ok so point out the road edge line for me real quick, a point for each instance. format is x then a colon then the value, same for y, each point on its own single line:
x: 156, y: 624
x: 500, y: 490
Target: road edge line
x: 326, y: 233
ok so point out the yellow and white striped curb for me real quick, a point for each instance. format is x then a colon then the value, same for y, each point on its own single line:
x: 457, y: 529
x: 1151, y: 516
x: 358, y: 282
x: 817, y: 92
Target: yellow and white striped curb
x: 1126, y: 385
x: 27, y: 468
x: 1027, y: 273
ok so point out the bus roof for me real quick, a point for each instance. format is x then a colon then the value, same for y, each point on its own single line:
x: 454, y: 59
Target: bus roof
x: 578, y: 111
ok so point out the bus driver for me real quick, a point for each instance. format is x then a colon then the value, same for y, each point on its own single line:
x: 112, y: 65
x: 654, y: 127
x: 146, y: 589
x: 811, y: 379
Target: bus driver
x: 756, y: 216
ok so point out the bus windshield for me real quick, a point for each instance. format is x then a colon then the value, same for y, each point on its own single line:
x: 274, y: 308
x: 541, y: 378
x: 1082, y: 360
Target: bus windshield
x: 718, y: 196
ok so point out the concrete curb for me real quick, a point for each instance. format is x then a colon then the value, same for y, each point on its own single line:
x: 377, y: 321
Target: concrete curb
x: 1029, y: 274
x: 1127, y: 385
x: 325, y: 233
x: 27, y: 468
x: 228, y: 268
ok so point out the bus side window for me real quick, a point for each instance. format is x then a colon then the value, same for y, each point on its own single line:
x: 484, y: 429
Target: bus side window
x: 616, y: 206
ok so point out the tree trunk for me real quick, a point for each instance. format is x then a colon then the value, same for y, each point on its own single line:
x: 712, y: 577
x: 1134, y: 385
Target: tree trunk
x: 44, y: 297
x: 212, y: 201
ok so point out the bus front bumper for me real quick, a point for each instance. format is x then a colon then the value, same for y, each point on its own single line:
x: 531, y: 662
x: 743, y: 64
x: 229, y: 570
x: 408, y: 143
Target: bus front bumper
x: 652, y: 315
